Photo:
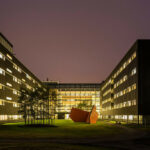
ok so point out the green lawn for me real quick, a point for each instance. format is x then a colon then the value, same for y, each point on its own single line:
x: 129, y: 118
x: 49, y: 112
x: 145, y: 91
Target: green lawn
x: 68, y: 135
x: 64, y: 129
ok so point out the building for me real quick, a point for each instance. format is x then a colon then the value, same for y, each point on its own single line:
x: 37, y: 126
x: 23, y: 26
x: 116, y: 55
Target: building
x: 123, y: 96
x: 75, y: 95
x: 13, y: 75
x: 125, y: 93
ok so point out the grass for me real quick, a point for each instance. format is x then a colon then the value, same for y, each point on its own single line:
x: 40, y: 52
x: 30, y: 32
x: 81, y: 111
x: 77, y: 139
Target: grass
x: 64, y: 129
x: 68, y: 135
x: 49, y: 146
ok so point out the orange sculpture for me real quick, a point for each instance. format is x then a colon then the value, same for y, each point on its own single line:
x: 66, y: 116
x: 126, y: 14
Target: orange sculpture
x: 79, y: 115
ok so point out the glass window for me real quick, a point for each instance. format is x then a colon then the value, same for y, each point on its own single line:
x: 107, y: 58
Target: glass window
x: 9, y: 70
x: 1, y: 87
x: 133, y: 72
x: 2, y: 71
x: 8, y: 84
x: 9, y: 56
x: 8, y: 98
x: 2, y: 56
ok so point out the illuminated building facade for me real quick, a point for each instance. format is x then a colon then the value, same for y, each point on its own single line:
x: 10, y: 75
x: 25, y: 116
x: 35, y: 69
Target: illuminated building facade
x: 123, y: 96
x: 74, y: 95
x: 125, y: 93
x: 13, y: 75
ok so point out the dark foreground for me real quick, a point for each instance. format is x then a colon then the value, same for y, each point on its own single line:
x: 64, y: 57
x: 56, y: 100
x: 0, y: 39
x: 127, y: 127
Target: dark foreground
x: 75, y: 136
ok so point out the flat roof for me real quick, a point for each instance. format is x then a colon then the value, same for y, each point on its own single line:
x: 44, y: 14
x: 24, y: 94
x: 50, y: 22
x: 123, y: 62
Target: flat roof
x: 6, y: 39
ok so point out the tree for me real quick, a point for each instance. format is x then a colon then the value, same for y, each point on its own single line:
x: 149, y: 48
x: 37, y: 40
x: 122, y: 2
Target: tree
x: 53, y: 101
x: 82, y: 105
x: 23, y: 101
x: 34, y: 105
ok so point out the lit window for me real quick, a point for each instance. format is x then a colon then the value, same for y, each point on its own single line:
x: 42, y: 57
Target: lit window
x: 9, y: 56
x: 121, y: 69
x: 39, y: 85
x: 9, y: 70
x: 134, y: 55
x: 1, y: 87
x: 125, y: 78
x: 15, y: 105
x: 33, y: 81
x: 129, y: 103
x: 15, y: 66
x: 124, y: 116
x: 2, y: 71
x: 130, y: 117
x: 124, y: 65
x: 19, y: 69
x: 2, y: 56
x: 129, y: 89
x: 121, y: 93
x: 14, y: 91
x: 28, y: 86
x: 9, y: 84
x: 8, y: 98
x: 2, y: 102
x: 3, y: 117
x: 19, y: 81
x: 133, y: 86
x: 133, y: 102
x: 28, y: 76
x: 15, y: 79
x: 133, y: 72
x: 23, y: 80
x: 129, y: 60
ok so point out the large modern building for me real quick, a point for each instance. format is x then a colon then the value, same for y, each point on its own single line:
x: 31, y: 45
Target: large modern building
x: 13, y: 76
x: 69, y: 95
x: 125, y: 94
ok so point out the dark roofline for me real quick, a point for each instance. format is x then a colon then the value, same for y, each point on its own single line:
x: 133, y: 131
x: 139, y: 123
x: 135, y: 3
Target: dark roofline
x: 22, y: 65
x: 80, y: 83
x: 126, y: 54
x: 52, y: 83
x: 6, y: 39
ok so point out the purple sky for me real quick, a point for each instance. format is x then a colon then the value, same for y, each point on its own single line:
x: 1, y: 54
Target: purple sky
x: 73, y: 40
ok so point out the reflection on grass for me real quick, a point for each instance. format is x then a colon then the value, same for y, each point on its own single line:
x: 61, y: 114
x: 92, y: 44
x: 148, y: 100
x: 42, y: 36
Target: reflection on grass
x: 65, y: 128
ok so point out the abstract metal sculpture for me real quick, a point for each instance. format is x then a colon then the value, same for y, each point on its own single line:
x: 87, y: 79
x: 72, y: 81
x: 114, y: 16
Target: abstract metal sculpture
x: 79, y: 115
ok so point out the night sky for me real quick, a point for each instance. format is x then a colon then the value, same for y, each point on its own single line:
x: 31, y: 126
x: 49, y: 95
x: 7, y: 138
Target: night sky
x: 73, y: 40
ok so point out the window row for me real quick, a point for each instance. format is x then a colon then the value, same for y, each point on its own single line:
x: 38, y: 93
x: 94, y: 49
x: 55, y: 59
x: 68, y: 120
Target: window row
x: 125, y: 91
x: 17, y: 67
x: 2, y: 56
x: 126, y: 63
x: 10, y: 117
x: 108, y: 91
x: 79, y: 94
x: 125, y: 104
x: 16, y: 92
x: 133, y: 72
x: 121, y: 81
x: 2, y: 71
x: 15, y: 79
x: 120, y: 105
x: 16, y: 105
x: 106, y: 100
x: 106, y: 84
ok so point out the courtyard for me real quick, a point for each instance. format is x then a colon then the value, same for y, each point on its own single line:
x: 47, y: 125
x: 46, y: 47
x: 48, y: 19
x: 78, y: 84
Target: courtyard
x: 104, y: 135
